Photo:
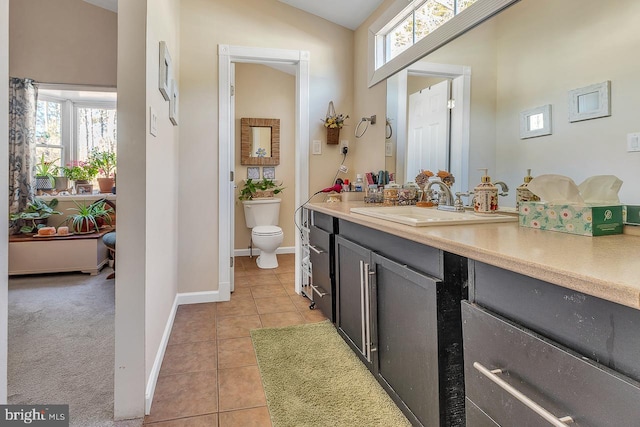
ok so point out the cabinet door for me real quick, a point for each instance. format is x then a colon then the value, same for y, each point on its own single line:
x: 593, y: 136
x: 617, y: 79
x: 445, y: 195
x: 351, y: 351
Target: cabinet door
x: 406, y: 325
x: 351, y: 260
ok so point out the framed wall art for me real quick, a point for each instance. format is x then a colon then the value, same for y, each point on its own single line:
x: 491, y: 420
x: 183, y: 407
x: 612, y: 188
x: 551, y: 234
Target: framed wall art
x: 253, y: 172
x: 590, y: 102
x: 164, y: 78
x: 269, y: 172
x: 535, y: 122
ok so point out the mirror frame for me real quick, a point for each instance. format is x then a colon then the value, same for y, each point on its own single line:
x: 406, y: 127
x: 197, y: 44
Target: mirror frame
x: 245, y: 142
x: 456, y: 26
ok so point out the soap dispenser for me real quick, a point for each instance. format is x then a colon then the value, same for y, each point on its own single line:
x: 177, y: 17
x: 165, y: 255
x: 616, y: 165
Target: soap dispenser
x: 523, y: 194
x: 485, y: 200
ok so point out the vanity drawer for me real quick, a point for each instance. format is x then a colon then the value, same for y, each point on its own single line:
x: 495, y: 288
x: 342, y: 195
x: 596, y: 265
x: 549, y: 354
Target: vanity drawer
x: 323, y: 221
x: 476, y: 417
x: 320, y: 254
x: 556, y: 379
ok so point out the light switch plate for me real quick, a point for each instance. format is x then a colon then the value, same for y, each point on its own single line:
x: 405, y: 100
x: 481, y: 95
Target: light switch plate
x: 633, y: 142
x: 317, y: 147
x: 153, y: 122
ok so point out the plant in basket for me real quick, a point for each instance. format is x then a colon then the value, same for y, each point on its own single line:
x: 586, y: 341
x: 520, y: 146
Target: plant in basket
x: 261, y: 188
x: 333, y: 122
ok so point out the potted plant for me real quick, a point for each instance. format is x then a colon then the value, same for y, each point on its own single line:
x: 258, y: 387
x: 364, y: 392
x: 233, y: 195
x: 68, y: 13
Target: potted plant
x: 36, y: 215
x: 81, y: 173
x: 45, y: 174
x: 257, y: 189
x: 105, y: 162
x: 89, y: 218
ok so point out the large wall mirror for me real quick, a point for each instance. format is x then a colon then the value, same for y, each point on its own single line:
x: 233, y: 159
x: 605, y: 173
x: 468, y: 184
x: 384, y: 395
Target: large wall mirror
x: 260, y: 141
x: 532, y: 54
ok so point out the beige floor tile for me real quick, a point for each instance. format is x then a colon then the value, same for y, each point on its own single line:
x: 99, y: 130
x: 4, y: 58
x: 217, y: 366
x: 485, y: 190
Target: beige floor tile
x: 192, y: 331
x: 237, y: 326
x: 278, y: 320
x: 240, y: 388
x: 255, y: 417
x: 267, y: 291
x: 262, y: 279
x: 210, y: 420
x: 274, y: 305
x: 283, y: 268
x: 184, y: 395
x: 313, y: 316
x: 237, y: 307
x: 189, y: 357
x: 287, y: 278
x: 236, y: 352
x: 195, y: 313
x: 241, y: 292
x: 290, y: 289
x: 300, y: 302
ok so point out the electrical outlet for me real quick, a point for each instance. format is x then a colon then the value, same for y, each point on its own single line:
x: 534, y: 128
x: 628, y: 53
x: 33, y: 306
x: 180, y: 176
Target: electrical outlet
x: 633, y: 142
x: 153, y: 122
x: 317, y: 147
x: 344, y: 143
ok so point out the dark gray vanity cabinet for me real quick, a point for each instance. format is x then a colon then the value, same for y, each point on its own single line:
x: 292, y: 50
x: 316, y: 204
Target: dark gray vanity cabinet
x: 321, y: 255
x: 535, y: 353
x: 403, y: 322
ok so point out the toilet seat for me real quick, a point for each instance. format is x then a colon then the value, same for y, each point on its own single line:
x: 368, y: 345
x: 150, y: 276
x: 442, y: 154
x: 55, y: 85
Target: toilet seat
x: 266, y: 230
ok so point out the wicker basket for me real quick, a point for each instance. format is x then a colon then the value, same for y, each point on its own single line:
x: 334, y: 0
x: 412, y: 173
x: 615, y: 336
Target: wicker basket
x: 333, y: 135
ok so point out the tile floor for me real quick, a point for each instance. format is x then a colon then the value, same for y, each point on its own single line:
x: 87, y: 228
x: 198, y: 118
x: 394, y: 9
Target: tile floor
x: 209, y: 376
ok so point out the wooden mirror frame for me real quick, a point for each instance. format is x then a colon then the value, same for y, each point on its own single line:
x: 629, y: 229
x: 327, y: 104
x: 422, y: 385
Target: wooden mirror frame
x: 245, y: 142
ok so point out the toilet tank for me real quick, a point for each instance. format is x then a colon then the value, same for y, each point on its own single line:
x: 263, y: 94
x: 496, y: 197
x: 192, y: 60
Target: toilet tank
x: 261, y: 211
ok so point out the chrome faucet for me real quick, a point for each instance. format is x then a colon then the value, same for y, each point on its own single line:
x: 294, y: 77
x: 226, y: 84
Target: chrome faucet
x: 444, y: 193
x: 503, y: 187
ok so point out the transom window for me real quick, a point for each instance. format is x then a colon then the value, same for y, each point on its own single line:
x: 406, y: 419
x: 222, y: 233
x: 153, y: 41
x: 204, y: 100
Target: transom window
x: 69, y: 124
x: 415, y: 22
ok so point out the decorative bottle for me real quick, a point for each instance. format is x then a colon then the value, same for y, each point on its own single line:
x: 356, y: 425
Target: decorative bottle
x: 523, y: 194
x: 485, y: 200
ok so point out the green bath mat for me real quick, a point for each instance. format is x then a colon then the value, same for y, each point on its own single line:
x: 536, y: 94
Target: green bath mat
x: 312, y: 378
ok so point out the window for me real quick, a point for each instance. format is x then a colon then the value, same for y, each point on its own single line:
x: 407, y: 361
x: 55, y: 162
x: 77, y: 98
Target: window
x: 70, y: 123
x: 421, y: 18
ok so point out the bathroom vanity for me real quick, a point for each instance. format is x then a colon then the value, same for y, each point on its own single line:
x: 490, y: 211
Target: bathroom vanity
x: 490, y: 324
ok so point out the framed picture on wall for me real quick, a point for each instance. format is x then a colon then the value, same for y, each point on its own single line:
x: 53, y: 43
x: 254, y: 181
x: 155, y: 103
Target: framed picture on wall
x: 164, y: 78
x: 253, y: 172
x: 269, y: 172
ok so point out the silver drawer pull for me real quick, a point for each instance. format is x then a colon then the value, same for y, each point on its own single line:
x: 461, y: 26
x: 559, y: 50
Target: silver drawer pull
x: 321, y: 293
x: 492, y: 375
x: 314, y: 249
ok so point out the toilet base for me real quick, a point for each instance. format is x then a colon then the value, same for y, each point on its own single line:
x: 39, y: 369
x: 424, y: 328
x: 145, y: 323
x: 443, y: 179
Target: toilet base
x: 267, y: 260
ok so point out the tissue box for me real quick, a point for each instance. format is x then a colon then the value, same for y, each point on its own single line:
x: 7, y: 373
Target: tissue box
x: 633, y: 215
x: 573, y: 219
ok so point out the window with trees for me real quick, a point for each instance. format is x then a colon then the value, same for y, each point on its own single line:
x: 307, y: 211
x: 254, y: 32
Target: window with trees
x: 417, y: 21
x: 70, y: 124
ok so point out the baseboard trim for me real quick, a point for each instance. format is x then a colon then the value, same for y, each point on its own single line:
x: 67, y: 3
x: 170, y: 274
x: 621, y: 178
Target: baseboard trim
x: 180, y: 299
x: 256, y: 252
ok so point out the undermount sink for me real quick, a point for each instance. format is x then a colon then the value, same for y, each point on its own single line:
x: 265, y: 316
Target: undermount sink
x: 423, y: 217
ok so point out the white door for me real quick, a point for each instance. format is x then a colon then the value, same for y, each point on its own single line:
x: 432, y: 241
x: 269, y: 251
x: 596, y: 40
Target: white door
x: 428, y: 138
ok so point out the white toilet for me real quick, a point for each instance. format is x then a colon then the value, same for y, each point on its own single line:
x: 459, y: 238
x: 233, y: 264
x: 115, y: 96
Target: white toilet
x: 261, y: 216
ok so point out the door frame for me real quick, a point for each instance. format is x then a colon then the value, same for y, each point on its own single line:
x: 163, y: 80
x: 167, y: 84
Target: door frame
x: 226, y: 155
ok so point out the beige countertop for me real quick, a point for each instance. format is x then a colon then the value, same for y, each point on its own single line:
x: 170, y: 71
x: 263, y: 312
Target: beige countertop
x: 607, y: 267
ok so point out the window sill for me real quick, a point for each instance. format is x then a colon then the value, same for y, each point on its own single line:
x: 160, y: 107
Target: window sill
x: 90, y: 197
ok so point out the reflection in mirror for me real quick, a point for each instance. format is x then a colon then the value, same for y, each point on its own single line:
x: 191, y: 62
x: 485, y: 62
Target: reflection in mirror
x: 260, y: 141
x: 515, y: 67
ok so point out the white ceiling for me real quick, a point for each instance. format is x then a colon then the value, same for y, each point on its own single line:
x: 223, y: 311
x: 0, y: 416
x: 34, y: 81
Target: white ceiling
x: 348, y: 13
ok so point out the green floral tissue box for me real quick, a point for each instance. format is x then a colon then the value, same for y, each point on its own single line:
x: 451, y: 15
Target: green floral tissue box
x: 573, y: 219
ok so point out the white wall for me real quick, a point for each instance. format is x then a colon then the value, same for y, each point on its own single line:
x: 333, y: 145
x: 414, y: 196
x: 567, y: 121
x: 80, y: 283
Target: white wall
x: 4, y: 191
x: 163, y: 23
x: 146, y: 280
x: 63, y: 41
x: 258, y: 23
x: 130, y: 378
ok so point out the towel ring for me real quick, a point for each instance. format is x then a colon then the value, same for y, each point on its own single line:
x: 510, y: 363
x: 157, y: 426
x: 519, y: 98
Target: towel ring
x: 388, y: 130
x: 366, y: 120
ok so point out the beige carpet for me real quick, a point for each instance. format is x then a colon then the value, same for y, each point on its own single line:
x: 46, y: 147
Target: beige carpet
x: 312, y: 378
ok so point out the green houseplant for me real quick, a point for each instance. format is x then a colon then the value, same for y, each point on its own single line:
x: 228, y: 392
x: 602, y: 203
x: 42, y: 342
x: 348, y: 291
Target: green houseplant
x: 105, y: 162
x: 35, y: 215
x: 45, y: 173
x: 261, y: 188
x: 81, y: 173
x: 89, y: 218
